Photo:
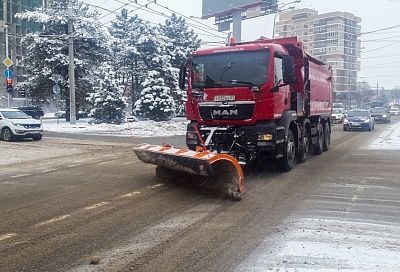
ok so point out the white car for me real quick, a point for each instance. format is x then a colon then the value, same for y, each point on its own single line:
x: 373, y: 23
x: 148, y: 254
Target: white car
x: 60, y: 114
x: 338, y: 115
x: 16, y: 124
x: 394, y: 111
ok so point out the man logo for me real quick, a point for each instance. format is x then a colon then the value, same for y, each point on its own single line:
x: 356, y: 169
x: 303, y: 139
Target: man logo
x: 225, y: 112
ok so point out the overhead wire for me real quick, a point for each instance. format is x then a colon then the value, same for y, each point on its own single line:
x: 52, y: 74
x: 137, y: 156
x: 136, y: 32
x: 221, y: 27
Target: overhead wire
x: 381, y: 56
x: 129, y: 11
x: 183, y: 15
x: 380, y: 39
x: 372, y: 50
x: 379, y: 30
x: 153, y: 11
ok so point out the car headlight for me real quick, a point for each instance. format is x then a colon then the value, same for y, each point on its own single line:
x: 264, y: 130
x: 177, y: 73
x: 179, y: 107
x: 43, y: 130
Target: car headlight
x: 346, y: 121
x: 17, y: 124
x: 367, y: 121
x: 384, y: 116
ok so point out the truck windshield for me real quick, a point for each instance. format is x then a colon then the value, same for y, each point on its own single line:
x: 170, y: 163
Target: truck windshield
x: 230, y: 69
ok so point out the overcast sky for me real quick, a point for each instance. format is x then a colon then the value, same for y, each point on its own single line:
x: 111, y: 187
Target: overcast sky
x: 380, y: 58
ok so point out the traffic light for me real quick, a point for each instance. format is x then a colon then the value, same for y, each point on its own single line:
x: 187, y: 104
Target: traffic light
x: 9, y: 85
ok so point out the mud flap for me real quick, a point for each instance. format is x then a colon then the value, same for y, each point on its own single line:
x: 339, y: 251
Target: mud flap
x: 216, y: 172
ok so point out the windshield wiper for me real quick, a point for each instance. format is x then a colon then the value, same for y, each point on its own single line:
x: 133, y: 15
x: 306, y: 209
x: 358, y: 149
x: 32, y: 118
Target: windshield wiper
x: 247, y: 83
x: 209, y: 83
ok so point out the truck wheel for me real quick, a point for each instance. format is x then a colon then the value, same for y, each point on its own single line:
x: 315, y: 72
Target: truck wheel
x: 288, y: 161
x: 7, y: 135
x: 327, y: 137
x: 303, y: 152
x: 318, y: 147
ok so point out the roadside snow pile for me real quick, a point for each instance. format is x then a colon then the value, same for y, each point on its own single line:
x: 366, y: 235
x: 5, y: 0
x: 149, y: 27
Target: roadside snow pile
x: 138, y: 129
x: 388, y: 140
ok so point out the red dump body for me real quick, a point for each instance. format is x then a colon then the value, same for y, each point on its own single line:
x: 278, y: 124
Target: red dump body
x: 311, y: 92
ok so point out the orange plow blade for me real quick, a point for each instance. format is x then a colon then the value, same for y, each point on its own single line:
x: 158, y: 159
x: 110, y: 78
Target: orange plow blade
x: 217, y: 172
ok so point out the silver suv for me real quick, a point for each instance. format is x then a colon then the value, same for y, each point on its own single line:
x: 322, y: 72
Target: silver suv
x: 16, y: 124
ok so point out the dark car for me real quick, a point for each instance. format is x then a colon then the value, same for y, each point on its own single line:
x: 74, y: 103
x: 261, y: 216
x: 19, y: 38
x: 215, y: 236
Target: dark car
x: 32, y: 111
x: 359, y: 120
x: 381, y: 114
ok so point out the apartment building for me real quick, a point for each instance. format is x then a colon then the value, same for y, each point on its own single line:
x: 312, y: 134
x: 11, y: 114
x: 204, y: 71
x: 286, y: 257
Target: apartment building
x: 16, y: 30
x: 332, y: 38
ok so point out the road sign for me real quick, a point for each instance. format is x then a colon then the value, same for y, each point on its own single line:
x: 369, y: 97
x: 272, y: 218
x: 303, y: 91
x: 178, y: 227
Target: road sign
x: 57, y: 77
x: 8, y: 62
x: 8, y: 73
x: 56, y: 89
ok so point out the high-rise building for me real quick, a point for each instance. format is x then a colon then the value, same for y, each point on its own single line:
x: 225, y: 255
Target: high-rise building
x: 332, y: 38
x: 16, y: 30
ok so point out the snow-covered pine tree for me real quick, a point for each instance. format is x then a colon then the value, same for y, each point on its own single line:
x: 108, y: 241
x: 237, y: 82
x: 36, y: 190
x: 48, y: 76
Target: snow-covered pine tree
x: 181, y: 41
x: 152, y: 58
x: 155, y: 101
x: 108, y: 99
x: 125, y: 31
x: 48, y: 50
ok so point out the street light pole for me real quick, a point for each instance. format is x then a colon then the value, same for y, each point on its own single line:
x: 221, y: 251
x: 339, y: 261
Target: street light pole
x: 72, y: 107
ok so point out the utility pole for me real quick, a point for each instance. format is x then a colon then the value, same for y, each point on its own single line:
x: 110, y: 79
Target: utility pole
x: 8, y: 94
x: 237, y: 25
x: 72, y: 107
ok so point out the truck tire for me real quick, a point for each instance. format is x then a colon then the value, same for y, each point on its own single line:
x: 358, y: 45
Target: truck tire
x: 319, y: 146
x: 327, y: 137
x: 303, y: 152
x: 288, y: 161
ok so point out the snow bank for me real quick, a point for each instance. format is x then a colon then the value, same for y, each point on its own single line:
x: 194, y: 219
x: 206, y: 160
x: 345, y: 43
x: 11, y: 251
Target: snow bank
x: 388, y: 140
x: 176, y: 126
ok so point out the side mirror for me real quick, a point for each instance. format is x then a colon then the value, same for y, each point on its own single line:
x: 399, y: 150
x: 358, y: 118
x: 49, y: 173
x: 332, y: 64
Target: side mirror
x: 275, y: 89
x: 288, y: 70
x: 182, y: 76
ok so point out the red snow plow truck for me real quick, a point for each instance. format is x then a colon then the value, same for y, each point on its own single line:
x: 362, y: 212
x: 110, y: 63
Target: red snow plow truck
x: 255, y: 101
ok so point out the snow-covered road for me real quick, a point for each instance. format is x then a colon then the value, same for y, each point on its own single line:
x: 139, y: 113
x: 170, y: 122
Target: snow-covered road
x: 351, y: 223
x: 388, y: 140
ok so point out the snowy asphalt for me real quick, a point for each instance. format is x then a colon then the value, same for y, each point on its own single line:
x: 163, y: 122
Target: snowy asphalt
x: 98, y: 204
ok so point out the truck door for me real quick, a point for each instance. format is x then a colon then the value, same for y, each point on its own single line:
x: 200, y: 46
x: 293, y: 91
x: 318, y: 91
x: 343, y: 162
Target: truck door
x: 282, y: 93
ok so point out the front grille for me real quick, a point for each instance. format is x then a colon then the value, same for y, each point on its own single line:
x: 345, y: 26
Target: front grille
x: 32, y: 126
x: 226, y: 112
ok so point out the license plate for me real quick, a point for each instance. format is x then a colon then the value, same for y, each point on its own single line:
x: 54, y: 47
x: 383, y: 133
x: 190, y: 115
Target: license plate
x: 222, y: 98
x: 356, y: 124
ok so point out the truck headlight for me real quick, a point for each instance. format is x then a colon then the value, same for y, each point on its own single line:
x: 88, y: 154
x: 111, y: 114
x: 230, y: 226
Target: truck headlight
x: 191, y: 135
x: 264, y: 137
x: 191, y: 138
